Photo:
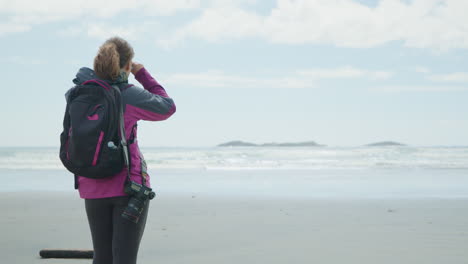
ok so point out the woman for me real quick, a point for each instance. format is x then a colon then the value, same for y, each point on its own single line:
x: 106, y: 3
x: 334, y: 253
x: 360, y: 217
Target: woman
x: 115, y: 239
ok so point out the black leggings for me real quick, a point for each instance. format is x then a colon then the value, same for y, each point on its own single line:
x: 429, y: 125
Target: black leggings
x: 115, y: 240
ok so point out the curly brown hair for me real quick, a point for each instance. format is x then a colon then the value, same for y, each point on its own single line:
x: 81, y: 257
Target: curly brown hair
x: 112, y: 56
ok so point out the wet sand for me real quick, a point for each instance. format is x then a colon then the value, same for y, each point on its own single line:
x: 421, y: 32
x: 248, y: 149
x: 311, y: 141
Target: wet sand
x: 209, y: 229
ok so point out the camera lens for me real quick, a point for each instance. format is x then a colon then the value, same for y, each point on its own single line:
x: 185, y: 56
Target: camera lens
x: 133, y: 210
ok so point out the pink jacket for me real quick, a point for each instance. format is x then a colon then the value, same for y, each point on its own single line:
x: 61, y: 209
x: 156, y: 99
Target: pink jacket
x: 152, y: 104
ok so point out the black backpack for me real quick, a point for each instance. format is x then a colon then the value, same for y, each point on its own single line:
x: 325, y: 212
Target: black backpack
x: 93, y: 143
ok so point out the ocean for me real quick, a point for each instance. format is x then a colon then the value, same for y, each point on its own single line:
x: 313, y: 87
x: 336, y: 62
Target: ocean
x: 287, y: 172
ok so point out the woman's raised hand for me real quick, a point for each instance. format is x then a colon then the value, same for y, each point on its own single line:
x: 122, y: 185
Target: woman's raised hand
x: 136, y: 67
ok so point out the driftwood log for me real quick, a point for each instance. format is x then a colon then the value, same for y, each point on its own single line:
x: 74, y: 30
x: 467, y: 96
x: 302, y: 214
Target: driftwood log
x: 67, y: 253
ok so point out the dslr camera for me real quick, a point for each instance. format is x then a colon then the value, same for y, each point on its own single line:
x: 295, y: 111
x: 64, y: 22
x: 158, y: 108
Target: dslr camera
x: 139, y: 196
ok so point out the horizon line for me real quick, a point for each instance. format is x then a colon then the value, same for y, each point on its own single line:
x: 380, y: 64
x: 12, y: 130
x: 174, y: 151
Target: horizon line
x: 208, y: 146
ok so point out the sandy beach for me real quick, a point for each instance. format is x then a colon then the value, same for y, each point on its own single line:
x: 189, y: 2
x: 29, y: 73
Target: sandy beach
x: 205, y: 229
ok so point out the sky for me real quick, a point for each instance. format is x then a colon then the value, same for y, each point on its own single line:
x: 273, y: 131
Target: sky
x: 338, y: 72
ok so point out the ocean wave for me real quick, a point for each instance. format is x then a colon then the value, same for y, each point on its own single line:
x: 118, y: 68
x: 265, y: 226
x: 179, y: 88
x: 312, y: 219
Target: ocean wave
x: 264, y: 158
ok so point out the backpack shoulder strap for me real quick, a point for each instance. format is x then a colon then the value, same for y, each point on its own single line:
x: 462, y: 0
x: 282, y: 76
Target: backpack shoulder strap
x: 123, y: 138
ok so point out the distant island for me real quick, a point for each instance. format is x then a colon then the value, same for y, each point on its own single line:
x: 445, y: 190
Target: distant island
x: 296, y: 144
x: 238, y: 143
x: 385, y: 144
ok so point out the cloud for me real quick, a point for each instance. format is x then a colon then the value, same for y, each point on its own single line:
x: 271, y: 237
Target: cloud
x: 420, y: 88
x: 432, y: 24
x: 101, y: 31
x: 219, y: 79
x: 166, y: 7
x: 421, y: 69
x: 97, y: 8
x: 307, y: 78
x: 345, y: 72
x: 217, y: 24
x: 451, y: 77
x: 435, y: 24
x: 22, y: 15
x: 10, y: 27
